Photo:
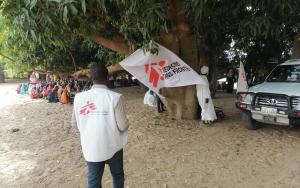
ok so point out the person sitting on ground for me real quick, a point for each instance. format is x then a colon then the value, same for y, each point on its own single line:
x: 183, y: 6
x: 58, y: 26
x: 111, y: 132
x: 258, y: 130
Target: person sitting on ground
x: 150, y: 99
x: 65, y: 99
x: 34, y: 94
x: 59, y: 91
x: 30, y: 86
x: 38, y: 87
x: 53, y: 97
x: 48, y: 90
x: 24, y: 89
x: 44, y: 95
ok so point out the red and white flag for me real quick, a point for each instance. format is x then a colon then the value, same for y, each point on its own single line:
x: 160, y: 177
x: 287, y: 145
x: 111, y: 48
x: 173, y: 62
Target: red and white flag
x: 160, y: 70
x: 242, y: 85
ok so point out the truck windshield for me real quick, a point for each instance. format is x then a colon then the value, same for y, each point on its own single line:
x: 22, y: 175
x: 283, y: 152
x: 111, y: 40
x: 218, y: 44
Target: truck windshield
x: 285, y: 73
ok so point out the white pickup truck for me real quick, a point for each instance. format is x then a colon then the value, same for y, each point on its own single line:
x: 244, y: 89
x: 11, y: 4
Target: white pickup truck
x: 276, y: 100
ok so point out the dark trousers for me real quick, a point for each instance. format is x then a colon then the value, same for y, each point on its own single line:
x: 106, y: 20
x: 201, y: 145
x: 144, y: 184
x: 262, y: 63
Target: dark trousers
x: 96, y: 169
x: 230, y: 85
x: 160, y: 105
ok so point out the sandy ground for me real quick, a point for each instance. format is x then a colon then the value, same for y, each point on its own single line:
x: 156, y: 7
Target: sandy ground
x: 46, y: 152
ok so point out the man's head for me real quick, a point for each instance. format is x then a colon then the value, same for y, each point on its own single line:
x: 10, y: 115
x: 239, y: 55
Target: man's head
x: 99, y: 74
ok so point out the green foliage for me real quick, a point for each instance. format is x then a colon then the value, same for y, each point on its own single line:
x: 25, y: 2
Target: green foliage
x: 44, y: 31
x: 46, y: 22
x: 48, y: 30
x: 261, y: 30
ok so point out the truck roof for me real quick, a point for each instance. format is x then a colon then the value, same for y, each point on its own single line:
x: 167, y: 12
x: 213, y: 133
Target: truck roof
x: 292, y: 62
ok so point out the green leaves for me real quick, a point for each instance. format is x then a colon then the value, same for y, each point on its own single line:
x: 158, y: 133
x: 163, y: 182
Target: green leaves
x: 46, y: 24
x: 33, y: 35
x: 65, y: 14
x: 73, y: 9
x: 83, y: 6
x: 33, y: 3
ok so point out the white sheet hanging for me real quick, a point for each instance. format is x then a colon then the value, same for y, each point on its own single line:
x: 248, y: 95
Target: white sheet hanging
x: 205, y: 101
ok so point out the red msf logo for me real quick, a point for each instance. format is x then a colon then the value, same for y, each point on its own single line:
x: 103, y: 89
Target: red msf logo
x: 87, y: 108
x: 155, y: 71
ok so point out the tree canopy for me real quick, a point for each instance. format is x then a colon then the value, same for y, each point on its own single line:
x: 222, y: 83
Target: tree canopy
x: 51, y: 29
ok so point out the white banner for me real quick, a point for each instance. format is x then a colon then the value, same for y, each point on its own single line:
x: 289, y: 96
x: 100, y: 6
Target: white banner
x: 160, y: 70
x: 242, y: 85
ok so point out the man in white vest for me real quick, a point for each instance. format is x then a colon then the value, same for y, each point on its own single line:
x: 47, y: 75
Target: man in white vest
x: 101, y: 120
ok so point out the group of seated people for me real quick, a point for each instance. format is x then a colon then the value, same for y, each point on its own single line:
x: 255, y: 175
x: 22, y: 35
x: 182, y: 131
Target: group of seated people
x: 62, y: 91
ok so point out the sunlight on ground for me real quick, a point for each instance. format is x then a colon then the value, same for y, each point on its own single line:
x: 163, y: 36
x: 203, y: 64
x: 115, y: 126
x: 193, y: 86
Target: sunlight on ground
x: 9, y: 167
x: 9, y: 96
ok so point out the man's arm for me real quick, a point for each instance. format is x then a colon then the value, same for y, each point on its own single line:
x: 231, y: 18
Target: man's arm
x: 121, y: 119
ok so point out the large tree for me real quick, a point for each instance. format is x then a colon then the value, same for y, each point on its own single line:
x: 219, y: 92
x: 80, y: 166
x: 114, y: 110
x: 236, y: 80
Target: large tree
x: 196, y: 30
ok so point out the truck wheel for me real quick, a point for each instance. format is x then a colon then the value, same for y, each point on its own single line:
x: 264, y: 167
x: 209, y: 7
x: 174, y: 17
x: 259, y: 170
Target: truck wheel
x: 250, y: 123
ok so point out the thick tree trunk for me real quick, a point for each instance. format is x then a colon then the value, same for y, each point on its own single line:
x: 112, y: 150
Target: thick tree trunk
x: 296, y: 47
x: 181, y: 102
x: 213, y: 78
x: 209, y: 60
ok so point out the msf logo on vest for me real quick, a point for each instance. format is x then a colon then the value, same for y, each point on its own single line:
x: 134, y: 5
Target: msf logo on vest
x: 85, y: 110
x: 154, y: 70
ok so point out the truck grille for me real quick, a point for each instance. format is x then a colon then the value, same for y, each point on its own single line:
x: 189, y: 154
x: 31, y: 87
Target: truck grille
x: 273, y: 101
x: 296, y: 103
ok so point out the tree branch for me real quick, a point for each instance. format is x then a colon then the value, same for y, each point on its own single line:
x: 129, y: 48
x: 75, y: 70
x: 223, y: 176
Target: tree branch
x: 6, y: 57
x: 73, y: 61
x: 116, y: 44
x: 112, y: 69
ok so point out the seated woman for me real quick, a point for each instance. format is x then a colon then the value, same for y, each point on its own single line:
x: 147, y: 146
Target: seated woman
x: 44, y: 91
x: 65, y: 96
x: 60, y: 91
x: 38, y: 87
x: 24, y: 89
x: 53, y: 96
x: 34, y: 94
x: 48, y: 90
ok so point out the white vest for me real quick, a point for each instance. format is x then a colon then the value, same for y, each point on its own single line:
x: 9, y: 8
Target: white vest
x: 99, y: 134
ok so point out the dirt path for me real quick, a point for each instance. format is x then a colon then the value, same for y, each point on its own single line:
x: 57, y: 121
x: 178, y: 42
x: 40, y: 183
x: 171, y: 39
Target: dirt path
x: 160, y: 153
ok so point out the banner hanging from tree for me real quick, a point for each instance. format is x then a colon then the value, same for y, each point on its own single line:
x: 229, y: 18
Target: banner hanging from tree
x: 163, y: 69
